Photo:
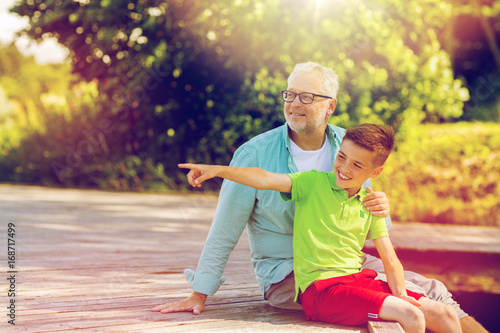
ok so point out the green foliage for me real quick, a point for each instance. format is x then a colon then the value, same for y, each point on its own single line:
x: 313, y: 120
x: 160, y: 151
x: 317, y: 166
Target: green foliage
x: 29, y: 95
x: 448, y: 174
x: 470, y: 37
x: 155, y: 83
x: 192, y: 80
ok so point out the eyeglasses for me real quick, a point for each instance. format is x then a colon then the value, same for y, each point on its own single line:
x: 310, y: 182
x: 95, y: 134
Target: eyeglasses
x: 306, y: 98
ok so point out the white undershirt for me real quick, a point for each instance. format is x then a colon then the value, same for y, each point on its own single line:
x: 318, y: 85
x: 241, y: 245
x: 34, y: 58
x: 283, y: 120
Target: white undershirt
x: 306, y: 160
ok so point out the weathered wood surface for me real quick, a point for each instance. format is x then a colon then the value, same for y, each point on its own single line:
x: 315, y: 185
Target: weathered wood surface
x: 97, y: 261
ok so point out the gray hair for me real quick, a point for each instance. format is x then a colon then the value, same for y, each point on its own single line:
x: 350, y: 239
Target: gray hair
x: 330, y: 79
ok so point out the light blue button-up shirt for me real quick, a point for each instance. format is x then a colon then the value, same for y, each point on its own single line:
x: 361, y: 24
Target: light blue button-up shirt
x: 268, y: 218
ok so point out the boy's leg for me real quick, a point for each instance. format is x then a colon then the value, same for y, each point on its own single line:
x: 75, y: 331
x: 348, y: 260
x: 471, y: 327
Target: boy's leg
x: 439, y: 317
x: 431, y: 288
x: 436, y: 290
x: 355, y: 299
x: 409, y: 316
x: 342, y: 304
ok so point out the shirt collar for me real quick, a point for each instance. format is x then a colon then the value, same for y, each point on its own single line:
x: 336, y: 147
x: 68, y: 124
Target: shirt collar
x: 330, y: 134
x: 287, y: 138
x: 333, y: 184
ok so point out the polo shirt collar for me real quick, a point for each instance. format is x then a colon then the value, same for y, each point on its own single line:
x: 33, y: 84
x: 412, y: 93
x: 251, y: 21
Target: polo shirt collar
x: 333, y: 184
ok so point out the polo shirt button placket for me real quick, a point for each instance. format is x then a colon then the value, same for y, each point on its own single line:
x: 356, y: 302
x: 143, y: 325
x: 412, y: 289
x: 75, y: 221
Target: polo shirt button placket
x: 344, y: 197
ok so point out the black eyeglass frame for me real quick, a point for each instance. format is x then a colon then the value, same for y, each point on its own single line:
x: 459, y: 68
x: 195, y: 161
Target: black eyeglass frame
x: 300, y: 96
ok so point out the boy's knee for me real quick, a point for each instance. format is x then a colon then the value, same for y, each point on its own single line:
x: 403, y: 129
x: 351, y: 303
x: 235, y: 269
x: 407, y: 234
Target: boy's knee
x: 448, y: 313
x: 415, y: 317
x: 419, y: 316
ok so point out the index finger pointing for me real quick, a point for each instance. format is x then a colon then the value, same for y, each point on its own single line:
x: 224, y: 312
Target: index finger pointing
x: 185, y: 165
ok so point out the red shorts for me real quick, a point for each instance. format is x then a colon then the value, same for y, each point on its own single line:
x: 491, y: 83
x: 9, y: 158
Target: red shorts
x: 347, y: 300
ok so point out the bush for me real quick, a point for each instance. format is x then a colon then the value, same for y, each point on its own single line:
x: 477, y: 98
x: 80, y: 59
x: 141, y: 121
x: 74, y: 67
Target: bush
x: 447, y: 173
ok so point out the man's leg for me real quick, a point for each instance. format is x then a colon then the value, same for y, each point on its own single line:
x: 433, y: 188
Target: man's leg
x: 432, y: 288
x: 471, y: 325
x: 439, y: 317
x: 282, y: 294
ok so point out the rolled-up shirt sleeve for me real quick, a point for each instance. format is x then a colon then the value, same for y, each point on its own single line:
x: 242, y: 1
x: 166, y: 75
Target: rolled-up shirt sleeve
x: 235, y: 205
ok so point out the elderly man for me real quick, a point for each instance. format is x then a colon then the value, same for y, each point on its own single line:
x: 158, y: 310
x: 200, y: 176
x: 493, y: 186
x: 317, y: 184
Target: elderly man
x: 305, y: 142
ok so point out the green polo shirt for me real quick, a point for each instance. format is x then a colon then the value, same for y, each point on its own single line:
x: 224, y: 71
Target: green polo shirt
x: 330, y: 229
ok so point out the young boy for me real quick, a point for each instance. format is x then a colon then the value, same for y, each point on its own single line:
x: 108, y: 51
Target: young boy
x: 330, y: 228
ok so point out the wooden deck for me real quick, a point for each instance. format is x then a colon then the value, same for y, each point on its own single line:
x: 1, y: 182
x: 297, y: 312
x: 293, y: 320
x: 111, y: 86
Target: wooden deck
x: 96, y: 261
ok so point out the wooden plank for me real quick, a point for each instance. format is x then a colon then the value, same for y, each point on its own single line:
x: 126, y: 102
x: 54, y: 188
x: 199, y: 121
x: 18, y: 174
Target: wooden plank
x: 97, y: 261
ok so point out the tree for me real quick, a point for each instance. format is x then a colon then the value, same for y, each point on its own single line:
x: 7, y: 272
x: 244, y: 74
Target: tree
x: 191, y: 80
x: 472, y: 41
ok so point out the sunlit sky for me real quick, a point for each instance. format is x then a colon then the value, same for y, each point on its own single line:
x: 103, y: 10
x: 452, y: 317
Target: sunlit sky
x: 49, y: 51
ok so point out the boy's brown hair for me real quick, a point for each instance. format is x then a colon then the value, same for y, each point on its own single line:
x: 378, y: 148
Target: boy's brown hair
x: 377, y: 138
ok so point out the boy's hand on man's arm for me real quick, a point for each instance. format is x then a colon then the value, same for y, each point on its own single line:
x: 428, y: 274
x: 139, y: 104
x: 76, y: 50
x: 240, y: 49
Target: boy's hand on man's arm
x: 377, y: 203
x: 195, y: 303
